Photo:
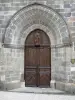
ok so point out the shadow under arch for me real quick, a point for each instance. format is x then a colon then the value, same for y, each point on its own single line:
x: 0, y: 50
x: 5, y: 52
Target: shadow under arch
x: 38, y: 30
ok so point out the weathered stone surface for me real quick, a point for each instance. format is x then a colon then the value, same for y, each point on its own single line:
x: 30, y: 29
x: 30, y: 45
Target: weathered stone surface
x: 16, y: 29
x: 67, y: 14
x: 67, y: 5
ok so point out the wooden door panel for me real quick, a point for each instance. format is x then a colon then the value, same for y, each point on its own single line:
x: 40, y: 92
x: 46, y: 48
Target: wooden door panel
x: 30, y: 56
x: 44, y: 79
x: 30, y: 67
x: 44, y: 76
x: 37, y: 56
x: 30, y: 77
x: 44, y: 56
x: 37, y: 59
x: 44, y: 68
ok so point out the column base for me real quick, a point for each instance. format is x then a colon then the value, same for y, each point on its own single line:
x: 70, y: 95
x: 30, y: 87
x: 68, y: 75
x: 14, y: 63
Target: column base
x: 22, y: 84
x: 53, y: 84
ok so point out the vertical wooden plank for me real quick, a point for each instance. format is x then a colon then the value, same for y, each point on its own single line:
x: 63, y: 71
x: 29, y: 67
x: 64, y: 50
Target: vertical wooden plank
x: 44, y: 56
x: 44, y: 66
x: 30, y: 67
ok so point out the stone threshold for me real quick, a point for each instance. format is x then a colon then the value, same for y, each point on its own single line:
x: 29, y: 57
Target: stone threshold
x: 38, y: 90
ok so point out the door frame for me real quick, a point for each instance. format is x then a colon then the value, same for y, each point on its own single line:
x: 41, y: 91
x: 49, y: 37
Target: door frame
x: 33, y: 47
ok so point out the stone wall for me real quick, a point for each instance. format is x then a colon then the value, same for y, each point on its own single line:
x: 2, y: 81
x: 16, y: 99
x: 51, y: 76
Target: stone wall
x: 11, y: 60
x: 11, y: 66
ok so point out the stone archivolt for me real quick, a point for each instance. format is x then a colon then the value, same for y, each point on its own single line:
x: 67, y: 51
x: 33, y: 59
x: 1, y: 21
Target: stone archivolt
x: 36, y: 14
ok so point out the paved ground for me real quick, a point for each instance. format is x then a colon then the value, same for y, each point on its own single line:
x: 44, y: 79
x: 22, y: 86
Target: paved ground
x: 37, y: 90
x: 21, y: 94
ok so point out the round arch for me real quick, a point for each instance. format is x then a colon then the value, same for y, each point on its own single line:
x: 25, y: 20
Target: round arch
x: 36, y: 14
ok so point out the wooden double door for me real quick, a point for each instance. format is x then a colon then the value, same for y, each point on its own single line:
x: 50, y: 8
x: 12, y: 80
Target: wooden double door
x: 37, y: 64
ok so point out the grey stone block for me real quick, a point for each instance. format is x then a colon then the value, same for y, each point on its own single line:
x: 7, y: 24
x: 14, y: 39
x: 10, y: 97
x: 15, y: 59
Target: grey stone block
x: 73, y: 5
x: 59, y: 10
x: 1, y: 8
x: 50, y: 2
x: 72, y: 28
x: 19, y: 0
x: 8, y: 79
x: 53, y: 84
x: 5, y: 1
x: 10, y: 86
x: 67, y: 14
x: 1, y: 86
x: 73, y: 39
x: 18, y: 4
x: 60, y: 86
x: 73, y: 88
x: 56, y: 6
x: 1, y: 21
x: 73, y: 13
x: 68, y: 1
x: 1, y: 17
x: 74, y: 25
x: 68, y: 87
x: 66, y: 40
x: 72, y: 9
x: 67, y: 5
x: 64, y: 63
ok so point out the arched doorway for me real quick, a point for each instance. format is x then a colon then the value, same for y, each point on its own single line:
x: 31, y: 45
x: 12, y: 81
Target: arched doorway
x: 37, y: 70
x: 18, y: 28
